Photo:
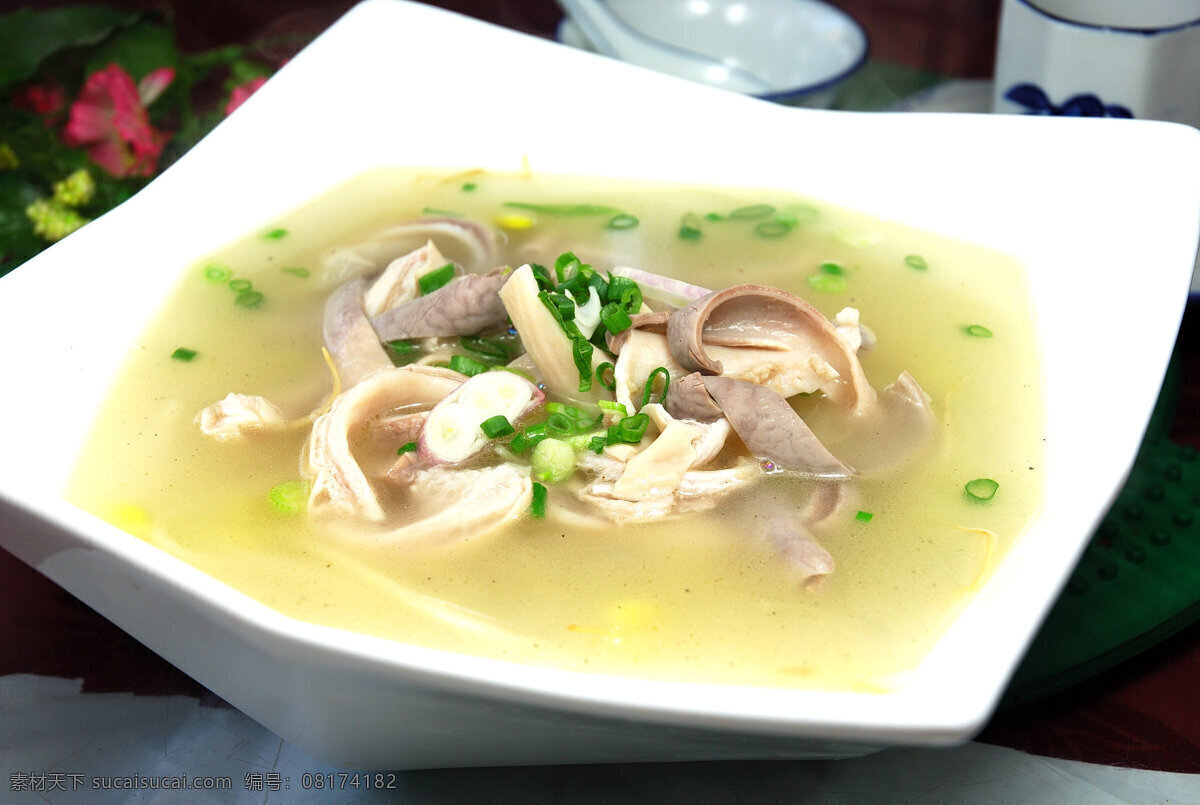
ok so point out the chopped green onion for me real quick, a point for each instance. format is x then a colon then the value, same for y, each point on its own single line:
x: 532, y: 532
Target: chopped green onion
x: 215, y: 272
x: 977, y: 331
x: 827, y: 283
x: 752, y: 211
x: 832, y: 268
x: 484, y: 349
x: 614, y: 318
x: 295, y: 271
x: 183, y: 354
x: 467, y: 366
x: 916, y: 261
x: 276, y: 234
x: 863, y: 517
x: 240, y: 285
x: 610, y: 405
x: 606, y: 377
x: 552, y: 461
x: 407, y: 447
x: 432, y: 280
x: 715, y: 217
x: 581, y: 352
x: 289, y: 497
x: 623, y: 221
x: 519, y: 443
x: 981, y: 489
x: 773, y: 229
x: 648, y: 389
x: 467, y: 187
x: 625, y: 292
x: 565, y: 264
x: 544, y: 280
x: 442, y: 212
x: 537, y: 506
x: 249, y: 299
x: 631, y: 429
x: 564, y: 209
x: 400, y: 349
x: 689, y: 229
x: 496, y: 426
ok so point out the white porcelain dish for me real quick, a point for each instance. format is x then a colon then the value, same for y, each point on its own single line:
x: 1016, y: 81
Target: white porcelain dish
x: 1112, y: 207
x: 802, y: 49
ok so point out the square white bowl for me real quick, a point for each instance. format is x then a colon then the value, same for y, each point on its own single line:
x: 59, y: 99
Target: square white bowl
x: 1105, y: 214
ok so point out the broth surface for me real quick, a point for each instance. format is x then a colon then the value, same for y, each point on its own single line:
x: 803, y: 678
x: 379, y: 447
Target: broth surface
x: 692, y: 598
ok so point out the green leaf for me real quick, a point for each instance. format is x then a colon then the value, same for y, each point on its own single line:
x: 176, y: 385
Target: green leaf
x: 139, y: 48
x: 28, y: 37
x: 17, y: 241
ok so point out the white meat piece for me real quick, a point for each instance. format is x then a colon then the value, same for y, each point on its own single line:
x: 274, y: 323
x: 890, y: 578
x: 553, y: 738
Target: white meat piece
x: 238, y: 414
x: 398, y: 282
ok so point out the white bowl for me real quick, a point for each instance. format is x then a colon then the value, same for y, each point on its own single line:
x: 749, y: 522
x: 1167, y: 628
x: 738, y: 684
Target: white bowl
x: 802, y: 49
x: 1105, y: 215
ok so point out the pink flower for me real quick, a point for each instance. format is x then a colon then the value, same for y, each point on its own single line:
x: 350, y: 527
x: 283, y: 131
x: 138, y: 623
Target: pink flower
x: 109, y: 119
x: 242, y: 92
x: 41, y: 99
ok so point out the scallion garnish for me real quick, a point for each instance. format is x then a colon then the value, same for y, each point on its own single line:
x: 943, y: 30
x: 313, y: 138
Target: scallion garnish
x: 400, y: 350
x: 832, y: 268
x: 614, y: 318
x: 624, y: 292
x: 537, y: 505
x: 827, y: 283
x: 981, y: 489
x: 249, y: 299
x: 564, y: 209
x: 776, y: 228
x: 295, y: 271
x: 581, y: 353
x: 484, y: 349
x: 432, y: 280
x: 240, y: 285
x: 689, y: 228
x: 648, y: 389
x: 977, y: 331
x: 467, y: 187
x: 467, y: 366
x: 916, y: 261
x: 623, y: 221
x: 442, y: 212
x: 289, y: 497
x: 605, y: 376
x: 565, y: 265
x: 628, y: 430
x: 407, y: 447
x: 276, y: 234
x: 183, y: 354
x: 215, y: 272
x: 615, y: 407
x: 496, y: 426
x: 863, y: 517
x: 752, y: 211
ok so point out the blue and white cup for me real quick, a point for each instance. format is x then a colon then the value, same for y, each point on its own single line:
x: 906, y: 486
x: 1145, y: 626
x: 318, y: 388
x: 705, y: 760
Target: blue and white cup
x: 1100, y: 58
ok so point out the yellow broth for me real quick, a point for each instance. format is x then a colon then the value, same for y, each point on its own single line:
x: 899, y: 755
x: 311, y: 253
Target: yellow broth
x: 695, y: 598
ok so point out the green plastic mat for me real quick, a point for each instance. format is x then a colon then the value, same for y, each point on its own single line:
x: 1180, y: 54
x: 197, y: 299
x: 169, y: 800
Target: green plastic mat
x: 1138, y: 581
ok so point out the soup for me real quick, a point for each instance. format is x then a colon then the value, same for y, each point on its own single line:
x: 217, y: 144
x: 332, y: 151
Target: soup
x: 833, y: 564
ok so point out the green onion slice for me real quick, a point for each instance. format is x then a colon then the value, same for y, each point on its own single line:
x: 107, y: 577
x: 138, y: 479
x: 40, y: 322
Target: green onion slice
x: 432, y: 280
x: 648, y: 389
x: 916, y: 261
x: 752, y: 211
x: 276, y: 234
x: 827, y: 283
x: 289, y: 497
x: 215, y: 272
x: 977, y: 331
x: 183, y: 354
x: 249, y: 299
x: 295, y: 271
x: 623, y: 221
x: 863, y: 517
x: 240, y: 285
x: 614, y: 318
x: 564, y: 209
x: 407, y: 447
x: 484, y: 349
x: 537, y: 506
x: 467, y: 366
x: 981, y: 489
x: 606, y: 377
x: 496, y: 426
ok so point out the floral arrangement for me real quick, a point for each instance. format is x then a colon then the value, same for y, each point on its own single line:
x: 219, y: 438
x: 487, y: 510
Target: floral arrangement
x: 94, y: 102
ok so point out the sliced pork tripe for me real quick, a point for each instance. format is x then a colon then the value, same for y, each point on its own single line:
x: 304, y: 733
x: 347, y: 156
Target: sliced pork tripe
x: 764, y: 421
x: 466, y: 242
x: 467, y: 305
x: 760, y: 317
x: 340, y: 486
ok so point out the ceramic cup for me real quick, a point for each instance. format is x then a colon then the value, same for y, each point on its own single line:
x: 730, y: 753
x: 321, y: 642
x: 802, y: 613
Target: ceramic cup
x: 1100, y: 58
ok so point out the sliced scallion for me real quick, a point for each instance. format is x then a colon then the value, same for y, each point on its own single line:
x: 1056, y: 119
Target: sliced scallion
x: 564, y: 209
x: 484, y: 349
x: 614, y: 318
x: 648, y: 389
x: 623, y: 221
x: 605, y: 376
x: 776, y: 228
x: 279, y: 233
x: 183, y: 354
x: 863, y: 517
x: 432, y: 280
x: 295, y: 271
x: 240, y: 285
x: 289, y: 497
x: 215, y: 272
x: 537, y: 505
x: 977, y: 331
x: 916, y: 261
x: 407, y: 447
x: 827, y: 283
x: 467, y: 366
x: 752, y: 211
x: 981, y: 489
x: 615, y: 407
x: 496, y: 426
x: 400, y: 350
x: 249, y: 299
x: 689, y: 228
